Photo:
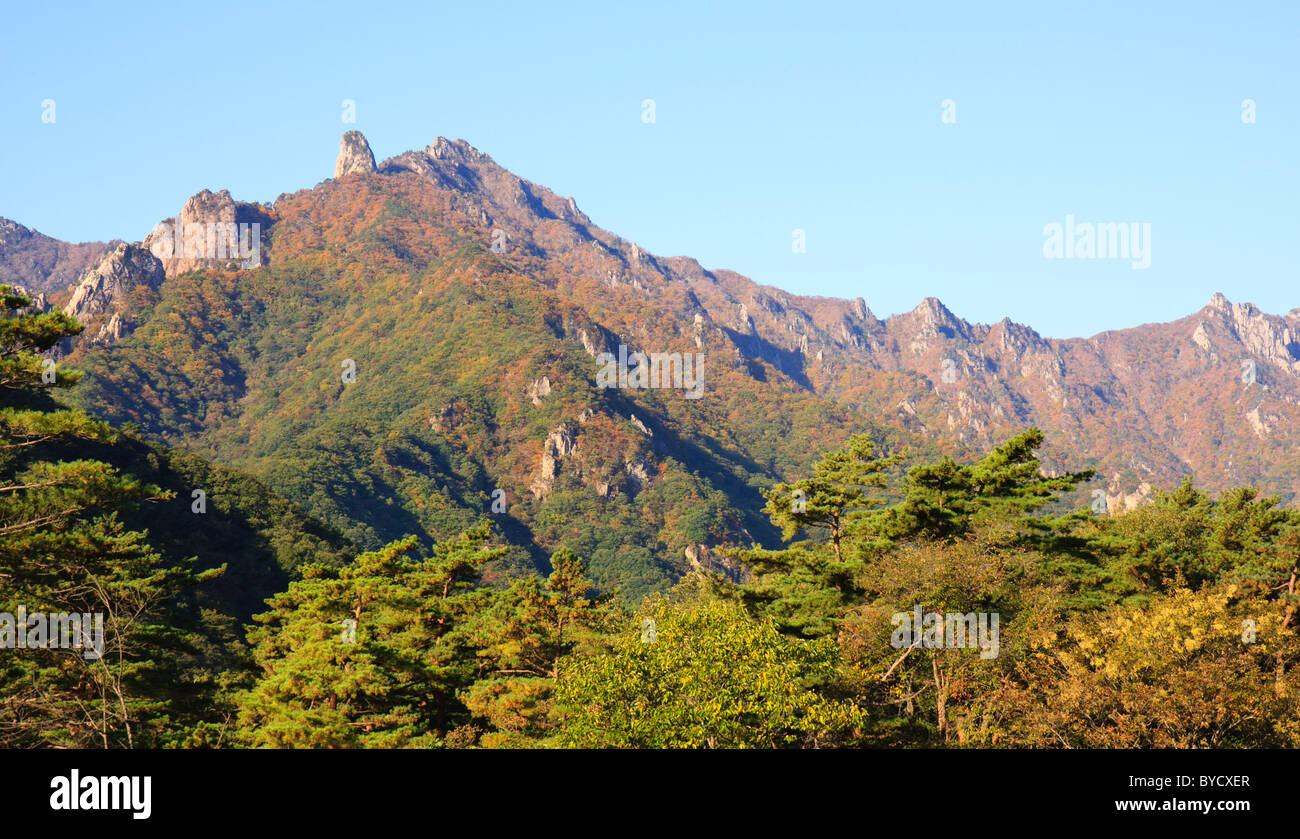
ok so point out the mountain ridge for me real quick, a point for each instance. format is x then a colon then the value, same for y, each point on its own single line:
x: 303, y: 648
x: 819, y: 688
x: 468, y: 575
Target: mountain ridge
x: 443, y: 241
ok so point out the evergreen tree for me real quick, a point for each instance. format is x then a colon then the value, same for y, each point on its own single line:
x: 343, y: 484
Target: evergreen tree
x: 944, y: 501
x: 370, y: 655
x: 64, y: 552
x: 806, y: 587
x: 525, y: 641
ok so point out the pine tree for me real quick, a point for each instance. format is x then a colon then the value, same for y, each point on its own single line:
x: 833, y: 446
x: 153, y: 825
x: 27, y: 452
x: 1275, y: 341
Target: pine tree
x: 806, y: 586
x: 64, y: 552
x: 945, y: 500
x: 370, y: 655
x: 524, y: 642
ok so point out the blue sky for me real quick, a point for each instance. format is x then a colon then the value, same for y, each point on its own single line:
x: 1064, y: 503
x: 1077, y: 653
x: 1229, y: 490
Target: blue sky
x: 822, y: 117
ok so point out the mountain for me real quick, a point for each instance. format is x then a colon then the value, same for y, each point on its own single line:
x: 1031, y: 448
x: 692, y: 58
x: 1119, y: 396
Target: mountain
x: 40, y: 263
x: 1214, y: 394
x: 420, y: 343
x: 103, y: 299
x: 389, y: 371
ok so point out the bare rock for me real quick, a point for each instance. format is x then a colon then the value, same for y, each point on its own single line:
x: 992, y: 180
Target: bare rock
x: 559, y: 445
x: 354, y: 155
x: 100, y: 296
x: 539, y: 390
x: 211, y: 231
x: 703, y: 560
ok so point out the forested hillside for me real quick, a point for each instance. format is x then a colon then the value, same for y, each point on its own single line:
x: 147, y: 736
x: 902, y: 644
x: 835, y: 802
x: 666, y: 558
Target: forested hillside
x: 447, y: 465
x: 389, y: 372
x: 1172, y: 625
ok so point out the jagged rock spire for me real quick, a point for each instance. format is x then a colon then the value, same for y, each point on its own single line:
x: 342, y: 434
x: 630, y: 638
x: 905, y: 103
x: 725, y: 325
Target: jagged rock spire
x: 100, y: 295
x: 354, y: 155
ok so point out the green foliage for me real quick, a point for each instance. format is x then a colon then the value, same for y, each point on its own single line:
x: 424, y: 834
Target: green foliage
x: 807, y: 586
x: 704, y: 676
x: 1173, y: 625
x: 63, y: 550
x: 945, y: 500
x: 535, y: 630
x: 370, y: 655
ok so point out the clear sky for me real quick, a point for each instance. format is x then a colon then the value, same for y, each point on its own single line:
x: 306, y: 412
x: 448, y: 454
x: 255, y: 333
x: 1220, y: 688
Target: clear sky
x: 821, y: 117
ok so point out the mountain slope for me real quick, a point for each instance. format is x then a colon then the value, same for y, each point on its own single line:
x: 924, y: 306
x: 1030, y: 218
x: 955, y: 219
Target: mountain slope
x: 40, y: 263
x: 471, y: 308
x: 471, y: 377
x: 1214, y: 394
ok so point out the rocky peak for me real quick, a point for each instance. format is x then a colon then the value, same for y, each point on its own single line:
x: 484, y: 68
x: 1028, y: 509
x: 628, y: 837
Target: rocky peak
x: 861, y: 311
x: 354, y: 155
x: 501, y: 200
x: 211, y: 230
x: 1010, y: 336
x: 451, y: 164
x: 932, y: 319
x: 454, y: 150
x: 1264, y: 336
x: 100, y: 296
x: 12, y: 231
x: 933, y: 310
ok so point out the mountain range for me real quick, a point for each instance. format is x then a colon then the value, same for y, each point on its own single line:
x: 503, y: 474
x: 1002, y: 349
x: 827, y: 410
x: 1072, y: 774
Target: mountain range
x: 418, y: 345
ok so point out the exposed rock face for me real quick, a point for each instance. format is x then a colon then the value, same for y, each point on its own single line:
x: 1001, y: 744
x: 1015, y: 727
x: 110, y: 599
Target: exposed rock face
x: 703, y: 560
x: 1264, y: 337
x: 638, y: 475
x: 1122, y: 502
x: 100, y: 298
x: 212, y: 231
x: 354, y: 155
x: 43, y: 264
x: 40, y: 304
x: 559, y: 445
x: 486, y: 192
x: 539, y: 390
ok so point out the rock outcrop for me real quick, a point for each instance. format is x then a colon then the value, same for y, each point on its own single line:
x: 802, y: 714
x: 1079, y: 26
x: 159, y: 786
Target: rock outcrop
x: 100, y: 299
x: 213, y: 230
x: 705, y: 561
x: 354, y: 155
x: 559, y: 445
x: 1265, y: 337
x: 539, y: 390
x: 40, y: 303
